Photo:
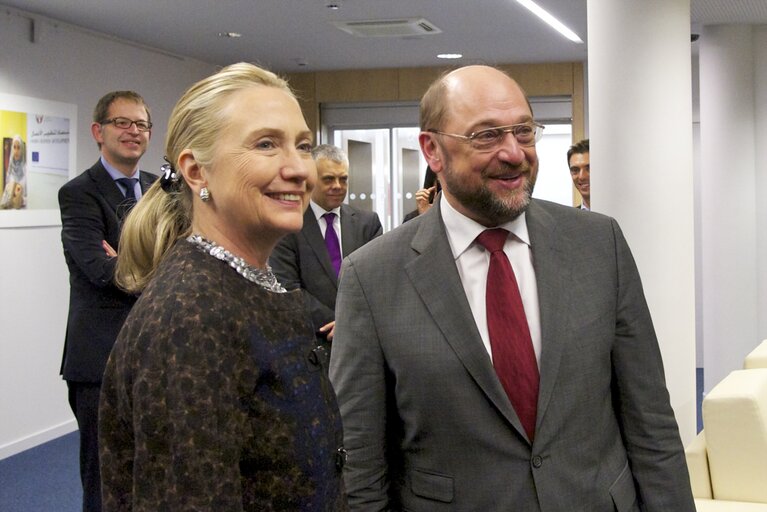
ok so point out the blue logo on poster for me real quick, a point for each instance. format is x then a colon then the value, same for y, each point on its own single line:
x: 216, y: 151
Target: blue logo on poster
x: 35, y: 156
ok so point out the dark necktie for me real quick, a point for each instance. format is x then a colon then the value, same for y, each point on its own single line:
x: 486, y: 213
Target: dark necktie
x: 129, y: 184
x: 513, y: 354
x: 331, y: 242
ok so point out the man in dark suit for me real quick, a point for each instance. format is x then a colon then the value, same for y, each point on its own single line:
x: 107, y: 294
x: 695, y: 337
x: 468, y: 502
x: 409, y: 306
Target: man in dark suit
x: 496, y: 353
x: 580, y: 171
x: 93, y: 206
x: 304, y: 260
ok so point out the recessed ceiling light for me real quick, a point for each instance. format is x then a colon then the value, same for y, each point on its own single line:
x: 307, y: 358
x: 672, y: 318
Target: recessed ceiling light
x: 233, y: 35
x: 449, y: 56
x: 550, y: 20
x: 333, y: 6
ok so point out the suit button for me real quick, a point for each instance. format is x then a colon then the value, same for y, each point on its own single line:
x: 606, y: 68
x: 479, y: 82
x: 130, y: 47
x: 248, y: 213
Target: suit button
x: 537, y: 461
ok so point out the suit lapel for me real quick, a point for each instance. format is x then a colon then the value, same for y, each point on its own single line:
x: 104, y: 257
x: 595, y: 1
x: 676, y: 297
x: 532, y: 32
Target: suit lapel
x: 351, y: 238
x: 108, y: 189
x: 434, y: 275
x: 146, y: 180
x: 313, y: 235
x: 553, y: 275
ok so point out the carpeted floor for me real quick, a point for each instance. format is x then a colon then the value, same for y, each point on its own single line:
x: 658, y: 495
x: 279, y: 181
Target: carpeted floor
x: 46, y: 478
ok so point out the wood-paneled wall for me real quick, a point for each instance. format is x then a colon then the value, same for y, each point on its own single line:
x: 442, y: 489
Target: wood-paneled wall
x: 409, y: 84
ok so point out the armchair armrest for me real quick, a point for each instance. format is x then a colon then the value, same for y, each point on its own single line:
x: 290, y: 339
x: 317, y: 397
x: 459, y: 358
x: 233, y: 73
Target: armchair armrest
x: 697, y: 465
x: 757, y: 358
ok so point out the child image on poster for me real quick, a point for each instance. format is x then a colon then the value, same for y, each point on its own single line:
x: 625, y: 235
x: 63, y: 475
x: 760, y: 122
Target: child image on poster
x: 15, y: 189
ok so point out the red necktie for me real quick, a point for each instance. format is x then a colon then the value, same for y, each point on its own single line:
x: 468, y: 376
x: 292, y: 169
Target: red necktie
x: 513, y: 354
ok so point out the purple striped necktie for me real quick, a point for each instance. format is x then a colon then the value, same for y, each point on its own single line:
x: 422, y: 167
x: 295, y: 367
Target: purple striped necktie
x: 331, y: 242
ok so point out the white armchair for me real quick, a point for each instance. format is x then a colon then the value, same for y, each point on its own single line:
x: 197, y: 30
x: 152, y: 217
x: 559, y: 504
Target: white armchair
x: 757, y: 358
x: 728, y: 460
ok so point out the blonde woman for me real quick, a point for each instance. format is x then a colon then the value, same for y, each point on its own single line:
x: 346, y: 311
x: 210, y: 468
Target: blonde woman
x: 15, y: 193
x: 213, y: 398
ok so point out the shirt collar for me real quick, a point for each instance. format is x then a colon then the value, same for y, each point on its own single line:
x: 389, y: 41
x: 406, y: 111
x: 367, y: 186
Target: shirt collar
x: 462, y: 231
x: 114, y: 173
x: 319, y: 211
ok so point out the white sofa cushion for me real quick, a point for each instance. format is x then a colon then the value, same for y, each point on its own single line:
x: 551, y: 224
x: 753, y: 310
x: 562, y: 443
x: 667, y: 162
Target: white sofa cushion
x: 757, y: 358
x: 697, y: 465
x: 704, y: 505
x: 735, y: 420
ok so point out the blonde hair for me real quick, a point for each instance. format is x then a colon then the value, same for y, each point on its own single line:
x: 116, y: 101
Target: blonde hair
x: 162, y: 217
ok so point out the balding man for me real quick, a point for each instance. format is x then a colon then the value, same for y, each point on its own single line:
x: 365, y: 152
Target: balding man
x: 496, y: 353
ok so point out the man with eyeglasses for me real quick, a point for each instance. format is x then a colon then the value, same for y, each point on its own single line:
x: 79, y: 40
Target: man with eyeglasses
x: 93, y: 206
x: 496, y: 353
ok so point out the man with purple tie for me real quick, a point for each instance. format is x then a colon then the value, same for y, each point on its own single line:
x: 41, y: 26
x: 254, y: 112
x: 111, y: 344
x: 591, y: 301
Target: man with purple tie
x: 311, y: 258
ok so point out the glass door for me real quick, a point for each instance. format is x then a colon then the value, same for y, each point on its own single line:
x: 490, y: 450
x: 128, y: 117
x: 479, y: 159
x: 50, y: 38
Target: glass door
x: 386, y: 166
x: 386, y: 169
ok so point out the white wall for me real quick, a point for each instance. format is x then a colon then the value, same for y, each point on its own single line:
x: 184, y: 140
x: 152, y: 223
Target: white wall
x: 69, y: 65
x: 760, y: 160
x: 733, y: 127
x: 640, y: 112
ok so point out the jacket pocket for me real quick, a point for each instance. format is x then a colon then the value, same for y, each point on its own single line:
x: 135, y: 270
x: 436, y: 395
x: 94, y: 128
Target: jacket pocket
x: 432, y: 486
x: 623, y: 492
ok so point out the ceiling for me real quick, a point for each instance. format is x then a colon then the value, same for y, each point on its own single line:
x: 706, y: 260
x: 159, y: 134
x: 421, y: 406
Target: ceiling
x: 299, y: 35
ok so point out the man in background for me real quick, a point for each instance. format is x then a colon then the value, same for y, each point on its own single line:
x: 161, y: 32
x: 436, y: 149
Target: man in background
x: 580, y: 170
x: 496, y: 353
x: 93, y: 206
x: 311, y: 258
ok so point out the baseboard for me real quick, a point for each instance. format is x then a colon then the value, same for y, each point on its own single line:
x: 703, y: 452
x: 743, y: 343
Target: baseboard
x: 36, y: 439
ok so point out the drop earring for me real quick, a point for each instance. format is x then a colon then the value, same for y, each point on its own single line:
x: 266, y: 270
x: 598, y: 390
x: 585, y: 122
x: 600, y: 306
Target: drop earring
x: 204, y: 194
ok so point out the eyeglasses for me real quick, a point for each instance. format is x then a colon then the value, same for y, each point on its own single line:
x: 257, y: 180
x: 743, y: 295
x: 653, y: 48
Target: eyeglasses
x: 124, y: 123
x: 526, y: 134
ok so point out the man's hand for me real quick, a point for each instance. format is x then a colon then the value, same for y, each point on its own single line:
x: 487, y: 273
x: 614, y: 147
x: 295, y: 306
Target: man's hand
x: 108, y: 249
x: 330, y: 328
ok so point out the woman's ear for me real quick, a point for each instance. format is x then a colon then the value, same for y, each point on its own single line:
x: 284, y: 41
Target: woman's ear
x: 193, y: 172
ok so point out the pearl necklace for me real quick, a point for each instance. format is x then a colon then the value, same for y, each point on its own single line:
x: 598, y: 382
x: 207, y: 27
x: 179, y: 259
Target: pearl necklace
x: 263, y: 278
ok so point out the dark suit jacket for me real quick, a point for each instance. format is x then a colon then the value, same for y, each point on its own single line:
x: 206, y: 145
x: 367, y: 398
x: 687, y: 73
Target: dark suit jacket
x: 92, y: 210
x: 301, y: 259
x: 427, y: 424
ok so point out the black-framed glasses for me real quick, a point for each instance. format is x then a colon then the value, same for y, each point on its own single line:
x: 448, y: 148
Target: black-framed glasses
x: 124, y: 123
x: 526, y: 134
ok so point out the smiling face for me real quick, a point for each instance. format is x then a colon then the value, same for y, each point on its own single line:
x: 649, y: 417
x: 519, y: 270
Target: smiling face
x: 580, y: 172
x: 16, y: 150
x: 494, y: 186
x: 332, y: 184
x: 123, y: 147
x: 262, y: 172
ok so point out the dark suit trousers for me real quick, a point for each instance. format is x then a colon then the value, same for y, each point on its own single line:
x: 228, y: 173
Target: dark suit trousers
x: 84, y: 401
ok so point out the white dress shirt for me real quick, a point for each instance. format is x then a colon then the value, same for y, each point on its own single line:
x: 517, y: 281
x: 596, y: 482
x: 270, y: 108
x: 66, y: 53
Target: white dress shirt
x: 473, y: 262
x: 319, y: 211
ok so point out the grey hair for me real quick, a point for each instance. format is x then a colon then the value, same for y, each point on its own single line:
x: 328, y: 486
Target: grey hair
x: 330, y: 152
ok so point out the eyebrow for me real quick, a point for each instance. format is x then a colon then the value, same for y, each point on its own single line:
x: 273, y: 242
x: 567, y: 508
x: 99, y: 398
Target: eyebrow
x: 485, y: 125
x: 278, y: 132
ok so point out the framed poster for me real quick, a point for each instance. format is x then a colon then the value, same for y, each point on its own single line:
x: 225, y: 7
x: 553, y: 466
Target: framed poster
x: 39, y: 155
